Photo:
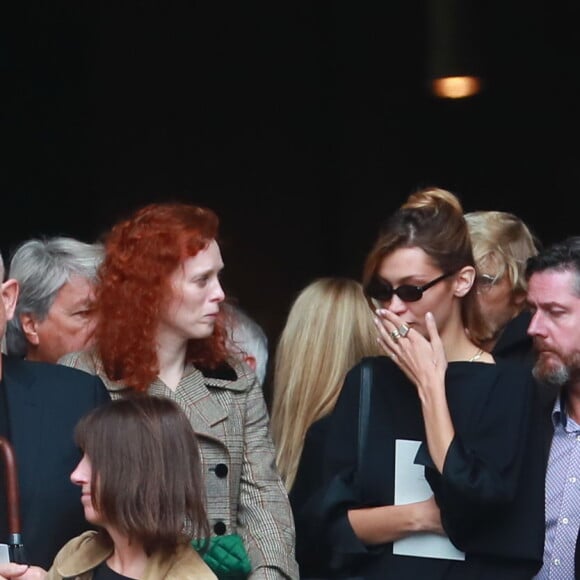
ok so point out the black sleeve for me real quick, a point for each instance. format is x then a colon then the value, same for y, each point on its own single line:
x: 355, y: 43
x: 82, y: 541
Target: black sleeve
x: 327, y: 507
x: 482, y: 473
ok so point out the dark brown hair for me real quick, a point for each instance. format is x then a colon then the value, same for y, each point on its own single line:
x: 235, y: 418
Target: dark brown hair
x: 146, y: 471
x: 431, y: 219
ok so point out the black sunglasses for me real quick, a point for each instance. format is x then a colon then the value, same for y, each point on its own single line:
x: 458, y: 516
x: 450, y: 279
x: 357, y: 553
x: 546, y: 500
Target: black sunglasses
x: 383, y: 291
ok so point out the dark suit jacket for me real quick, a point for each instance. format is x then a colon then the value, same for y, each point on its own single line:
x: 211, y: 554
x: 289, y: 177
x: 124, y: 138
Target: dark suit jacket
x: 514, y: 342
x: 44, y: 403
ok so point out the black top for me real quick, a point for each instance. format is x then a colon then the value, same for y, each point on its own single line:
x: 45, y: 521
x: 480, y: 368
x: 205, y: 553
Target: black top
x: 491, y: 492
x: 313, y: 562
x: 516, y: 344
x: 103, y: 572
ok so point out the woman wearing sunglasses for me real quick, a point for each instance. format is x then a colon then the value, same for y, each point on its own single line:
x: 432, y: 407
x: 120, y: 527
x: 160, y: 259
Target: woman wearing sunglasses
x: 450, y: 483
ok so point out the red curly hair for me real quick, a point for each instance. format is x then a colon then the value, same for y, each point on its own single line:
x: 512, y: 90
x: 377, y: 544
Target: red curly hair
x: 141, y: 254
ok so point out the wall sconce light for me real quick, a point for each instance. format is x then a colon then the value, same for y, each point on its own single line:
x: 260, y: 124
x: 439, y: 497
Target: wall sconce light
x: 454, y: 48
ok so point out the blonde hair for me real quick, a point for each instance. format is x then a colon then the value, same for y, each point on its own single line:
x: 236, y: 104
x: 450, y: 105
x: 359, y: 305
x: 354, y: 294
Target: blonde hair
x: 329, y: 329
x: 503, y: 241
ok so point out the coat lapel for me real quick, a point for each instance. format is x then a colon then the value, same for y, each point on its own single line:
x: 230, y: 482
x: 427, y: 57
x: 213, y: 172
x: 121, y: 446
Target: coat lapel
x: 206, y: 397
x: 207, y: 411
x: 204, y: 410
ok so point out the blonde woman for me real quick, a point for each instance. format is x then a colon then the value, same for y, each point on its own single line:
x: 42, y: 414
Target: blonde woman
x: 502, y: 243
x: 329, y: 329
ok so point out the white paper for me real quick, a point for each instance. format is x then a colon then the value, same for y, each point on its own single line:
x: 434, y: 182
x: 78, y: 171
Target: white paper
x: 4, y: 554
x: 411, y: 486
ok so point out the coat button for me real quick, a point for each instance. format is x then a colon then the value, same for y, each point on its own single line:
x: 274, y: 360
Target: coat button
x: 219, y: 528
x: 221, y: 470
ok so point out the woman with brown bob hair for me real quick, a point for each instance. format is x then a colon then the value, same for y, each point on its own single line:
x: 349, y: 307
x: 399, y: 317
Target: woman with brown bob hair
x: 147, y: 509
x: 160, y: 330
x: 449, y: 482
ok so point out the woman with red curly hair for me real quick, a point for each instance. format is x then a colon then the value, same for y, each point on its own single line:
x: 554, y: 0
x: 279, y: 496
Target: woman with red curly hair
x: 160, y: 330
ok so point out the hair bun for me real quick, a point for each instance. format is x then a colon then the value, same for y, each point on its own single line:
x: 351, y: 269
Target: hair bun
x: 434, y: 198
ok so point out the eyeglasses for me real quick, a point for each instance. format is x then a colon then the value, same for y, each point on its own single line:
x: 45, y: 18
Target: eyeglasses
x: 383, y: 291
x: 485, y: 282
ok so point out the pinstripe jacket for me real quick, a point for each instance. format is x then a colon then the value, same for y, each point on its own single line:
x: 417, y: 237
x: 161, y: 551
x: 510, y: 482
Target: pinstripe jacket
x: 245, y: 494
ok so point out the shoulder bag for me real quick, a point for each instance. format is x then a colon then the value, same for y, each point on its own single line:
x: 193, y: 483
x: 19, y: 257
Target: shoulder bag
x: 225, y: 555
x: 364, y: 409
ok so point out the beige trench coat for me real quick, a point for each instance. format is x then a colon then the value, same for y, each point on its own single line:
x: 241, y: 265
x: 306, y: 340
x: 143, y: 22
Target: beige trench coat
x: 81, y: 555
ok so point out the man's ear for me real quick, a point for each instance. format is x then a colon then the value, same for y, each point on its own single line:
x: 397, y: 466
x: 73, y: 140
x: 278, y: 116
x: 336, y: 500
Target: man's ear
x: 9, y: 296
x: 464, y: 280
x: 28, y: 323
x: 519, y: 298
x: 251, y: 361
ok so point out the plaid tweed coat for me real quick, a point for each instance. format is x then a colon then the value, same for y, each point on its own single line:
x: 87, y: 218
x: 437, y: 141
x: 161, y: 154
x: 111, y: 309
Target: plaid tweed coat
x: 245, y: 494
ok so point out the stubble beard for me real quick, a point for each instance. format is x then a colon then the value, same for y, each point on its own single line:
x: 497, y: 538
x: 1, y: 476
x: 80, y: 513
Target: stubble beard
x: 558, y: 371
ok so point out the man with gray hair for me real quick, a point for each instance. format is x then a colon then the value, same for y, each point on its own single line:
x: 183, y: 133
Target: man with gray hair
x: 54, y: 313
x: 40, y: 404
x: 247, y: 339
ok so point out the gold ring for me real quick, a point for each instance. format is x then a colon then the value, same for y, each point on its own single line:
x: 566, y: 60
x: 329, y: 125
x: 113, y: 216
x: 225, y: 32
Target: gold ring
x: 395, y: 335
x: 403, y: 330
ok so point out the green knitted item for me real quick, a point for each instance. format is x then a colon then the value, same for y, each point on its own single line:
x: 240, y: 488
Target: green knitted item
x: 226, y: 556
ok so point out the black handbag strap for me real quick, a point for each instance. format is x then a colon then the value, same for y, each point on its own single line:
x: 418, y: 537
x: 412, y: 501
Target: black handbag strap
x: 364, y: 409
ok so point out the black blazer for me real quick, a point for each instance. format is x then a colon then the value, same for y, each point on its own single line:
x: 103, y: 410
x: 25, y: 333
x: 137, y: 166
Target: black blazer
x: 491, y: 493
x: 44, y: 403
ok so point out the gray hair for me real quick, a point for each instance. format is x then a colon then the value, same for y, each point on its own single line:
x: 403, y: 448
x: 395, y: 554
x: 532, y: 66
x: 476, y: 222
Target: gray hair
x: 249, y: 338
x: 42, y: 267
